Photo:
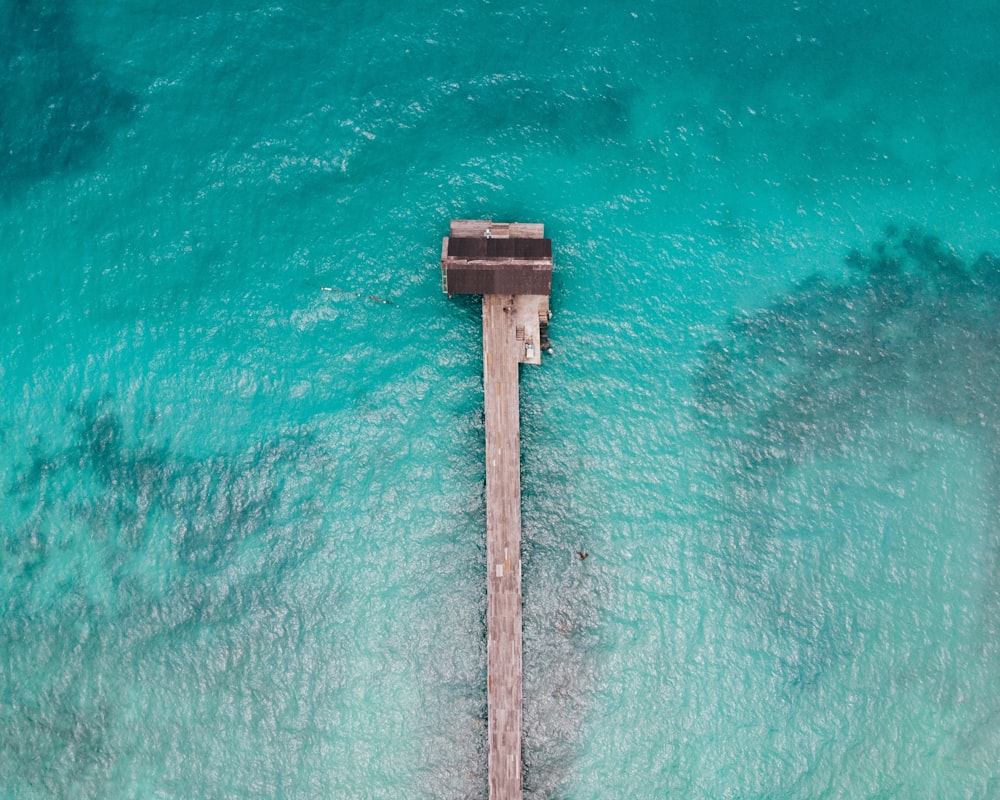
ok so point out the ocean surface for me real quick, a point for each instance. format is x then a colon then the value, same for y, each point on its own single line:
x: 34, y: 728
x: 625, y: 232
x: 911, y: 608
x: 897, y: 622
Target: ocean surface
x: 242, y: 518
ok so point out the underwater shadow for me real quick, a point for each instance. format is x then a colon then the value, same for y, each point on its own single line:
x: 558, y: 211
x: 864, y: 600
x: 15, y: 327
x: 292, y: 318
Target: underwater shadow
x: 562, y: 608
x: 58, y: 109
x: 913, y: 334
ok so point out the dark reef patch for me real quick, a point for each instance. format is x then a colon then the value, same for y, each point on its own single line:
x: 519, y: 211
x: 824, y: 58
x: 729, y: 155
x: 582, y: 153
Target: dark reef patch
x: 54, y: 743
x: 120, y: 542
x: 832, y: 374
x: 131, y: 494
x: 916, y: 329
x: 58, y: 108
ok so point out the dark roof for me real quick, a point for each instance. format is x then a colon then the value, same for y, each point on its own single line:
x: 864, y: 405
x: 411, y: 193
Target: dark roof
x: 499, y: 279
x: 480, y: 247
x: 497, y: 265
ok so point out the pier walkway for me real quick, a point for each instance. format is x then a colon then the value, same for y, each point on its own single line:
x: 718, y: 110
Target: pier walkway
x: 514, y: 278
x: 503, y: 548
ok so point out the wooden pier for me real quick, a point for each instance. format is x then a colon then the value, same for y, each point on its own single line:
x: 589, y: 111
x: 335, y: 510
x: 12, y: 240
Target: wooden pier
x: 511, y: 266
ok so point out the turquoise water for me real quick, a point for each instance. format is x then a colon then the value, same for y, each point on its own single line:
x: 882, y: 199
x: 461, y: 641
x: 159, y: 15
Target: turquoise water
x: 242, y: 518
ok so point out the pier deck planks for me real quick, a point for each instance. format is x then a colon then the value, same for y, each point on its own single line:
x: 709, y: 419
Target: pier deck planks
x: 503, y: 262
x: 503, y: 544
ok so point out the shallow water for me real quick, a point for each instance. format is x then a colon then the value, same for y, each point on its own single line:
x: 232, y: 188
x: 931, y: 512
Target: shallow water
x: 242, y: 517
